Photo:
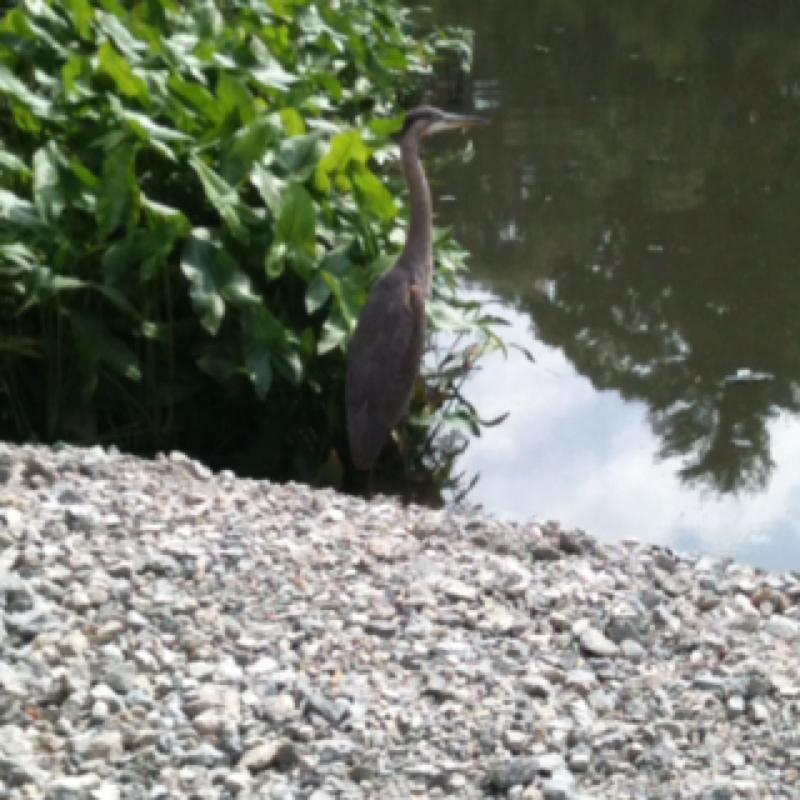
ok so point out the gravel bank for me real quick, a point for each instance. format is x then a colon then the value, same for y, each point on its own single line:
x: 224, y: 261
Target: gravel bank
x: 166, y: 632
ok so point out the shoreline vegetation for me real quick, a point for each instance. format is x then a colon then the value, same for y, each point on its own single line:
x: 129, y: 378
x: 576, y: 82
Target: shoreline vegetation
x: 194, y: 201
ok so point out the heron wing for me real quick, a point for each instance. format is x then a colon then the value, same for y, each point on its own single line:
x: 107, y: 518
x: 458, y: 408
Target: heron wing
x: 383, y: 364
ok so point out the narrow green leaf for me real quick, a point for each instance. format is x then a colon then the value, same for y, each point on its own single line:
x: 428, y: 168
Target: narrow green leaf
x: 84, y: 175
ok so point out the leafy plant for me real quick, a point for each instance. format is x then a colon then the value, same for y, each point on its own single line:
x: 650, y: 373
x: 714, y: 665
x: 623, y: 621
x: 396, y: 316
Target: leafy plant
x: 191, y: 216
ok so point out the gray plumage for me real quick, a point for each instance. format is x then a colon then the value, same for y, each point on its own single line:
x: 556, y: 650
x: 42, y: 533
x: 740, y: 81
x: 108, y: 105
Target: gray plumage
x: 386, y: 350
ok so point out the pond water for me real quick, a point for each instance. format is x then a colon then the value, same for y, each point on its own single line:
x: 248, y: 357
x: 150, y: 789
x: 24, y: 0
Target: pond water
x: 634, y: 212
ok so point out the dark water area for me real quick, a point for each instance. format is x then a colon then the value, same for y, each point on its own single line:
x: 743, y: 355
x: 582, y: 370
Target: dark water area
x: 634, y: 212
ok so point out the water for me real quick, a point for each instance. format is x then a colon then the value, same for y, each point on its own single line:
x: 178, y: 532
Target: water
x: 634, y: 211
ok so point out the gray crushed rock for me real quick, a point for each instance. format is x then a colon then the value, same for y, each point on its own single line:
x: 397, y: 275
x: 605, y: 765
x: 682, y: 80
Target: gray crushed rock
x: 166, y: 632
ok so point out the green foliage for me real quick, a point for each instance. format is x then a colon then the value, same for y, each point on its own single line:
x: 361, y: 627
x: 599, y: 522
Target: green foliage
x: 190, y: 218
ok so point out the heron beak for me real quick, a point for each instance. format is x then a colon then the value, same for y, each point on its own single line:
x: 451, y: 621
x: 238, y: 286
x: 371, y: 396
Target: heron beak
x: 463, y: 121
x: 454, y: 122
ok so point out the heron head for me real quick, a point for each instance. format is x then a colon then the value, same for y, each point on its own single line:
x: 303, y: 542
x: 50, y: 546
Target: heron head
x: 424, y: 120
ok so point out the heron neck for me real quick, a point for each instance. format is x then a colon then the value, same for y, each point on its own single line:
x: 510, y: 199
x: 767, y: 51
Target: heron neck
x: 417, y: 253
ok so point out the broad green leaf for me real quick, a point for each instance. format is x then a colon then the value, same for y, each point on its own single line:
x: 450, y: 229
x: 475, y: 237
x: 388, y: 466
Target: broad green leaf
x: 259, y: 368
x: 297, y: 222
x: 197, y: 96
x: 275, y: 263
x: 293, y: 123
x: 72, y: 70
x: 149, y: 130
x: 263, y: 332
x: 336, y: 263
x: 386, y: 127
x: 300, y: 155
x: 334, y: 333
x: 273, y: 76
x: 208, y: 19
x: 219, y: 369
x: 81, y: 13
x: 18, y: 254
x: 48, y: 192
x: 290, y: 365
x: 269, y: 72
x: 344, y: 148
x: 232, y: 94
x: 270, y: 187
x: 10, y: 162
x: 223, y: 197
x: 118, y: 192
x: 393, y: 58
x: 248, y: 147
x: 161, y: 210
x: 96, y: 345
x: 197, y: 263
x: 13, y: 86
x: 117, y: 298
x: 317, y: 294
x: 233, y: 283
x: 42, y: 283
x: 130, y: 47
x: 19, y: 212
x: 118, y: 69
x: 373, y: 195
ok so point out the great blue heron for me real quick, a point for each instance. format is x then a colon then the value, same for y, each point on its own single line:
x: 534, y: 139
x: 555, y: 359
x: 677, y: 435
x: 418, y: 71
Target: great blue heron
x: 386, y: 349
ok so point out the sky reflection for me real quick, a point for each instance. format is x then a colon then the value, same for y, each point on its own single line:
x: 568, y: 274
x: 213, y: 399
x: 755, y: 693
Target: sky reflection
x: 589, y: 459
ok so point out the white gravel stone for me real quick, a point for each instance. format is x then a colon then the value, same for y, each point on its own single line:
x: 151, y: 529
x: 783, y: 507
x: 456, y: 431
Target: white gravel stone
x: 170, y: 632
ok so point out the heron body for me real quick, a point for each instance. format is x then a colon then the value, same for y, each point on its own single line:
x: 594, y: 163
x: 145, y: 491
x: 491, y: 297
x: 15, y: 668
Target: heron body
x: 386, y: 350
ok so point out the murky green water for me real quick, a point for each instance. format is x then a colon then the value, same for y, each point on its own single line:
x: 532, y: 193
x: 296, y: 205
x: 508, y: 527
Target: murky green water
x: 635, y: 211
